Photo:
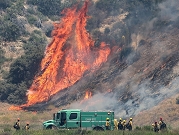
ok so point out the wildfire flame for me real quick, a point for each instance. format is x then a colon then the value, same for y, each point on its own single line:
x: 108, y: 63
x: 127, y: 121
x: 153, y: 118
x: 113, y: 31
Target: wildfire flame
x: 88, y: 95
x: 67, y: 57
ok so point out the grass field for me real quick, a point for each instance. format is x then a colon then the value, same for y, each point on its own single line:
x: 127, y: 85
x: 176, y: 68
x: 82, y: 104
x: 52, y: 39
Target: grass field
x: 78, y: 132
x: 9, y: 117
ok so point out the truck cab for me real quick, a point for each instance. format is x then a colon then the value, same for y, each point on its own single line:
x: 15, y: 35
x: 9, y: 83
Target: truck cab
x: 76, y: 118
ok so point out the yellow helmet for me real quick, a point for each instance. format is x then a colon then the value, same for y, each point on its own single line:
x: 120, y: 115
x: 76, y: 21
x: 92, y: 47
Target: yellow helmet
x: 120, y: 119
x: 124, y: 121
x: 107, y: 118
x: 130, y: 118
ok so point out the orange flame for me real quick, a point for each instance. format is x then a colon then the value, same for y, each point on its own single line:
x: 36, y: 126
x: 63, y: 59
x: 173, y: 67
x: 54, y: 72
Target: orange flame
x: 17, y: 108
x: 67, y: 57
x: 88, y: 95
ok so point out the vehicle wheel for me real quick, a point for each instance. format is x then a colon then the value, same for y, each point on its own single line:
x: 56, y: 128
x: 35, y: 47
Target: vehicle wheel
x: 52, y: 127
x: 98, y: 128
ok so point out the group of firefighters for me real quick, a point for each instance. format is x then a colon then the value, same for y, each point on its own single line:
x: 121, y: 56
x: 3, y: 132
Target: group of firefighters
x: 17, y: 125
x: 121, y: 125
x: 159, y: 126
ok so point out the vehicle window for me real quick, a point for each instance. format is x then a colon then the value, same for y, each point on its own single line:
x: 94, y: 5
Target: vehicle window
x: 73, y: 116
x: 58, y: 115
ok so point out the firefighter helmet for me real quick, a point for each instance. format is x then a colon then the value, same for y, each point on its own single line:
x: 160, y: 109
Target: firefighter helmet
x: 120, y: 119
x: 107, y: 118
x: 130, y: 118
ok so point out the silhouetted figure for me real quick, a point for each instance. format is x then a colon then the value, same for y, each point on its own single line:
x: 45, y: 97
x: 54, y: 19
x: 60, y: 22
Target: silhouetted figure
x: 155, y: 127
x: 17, y: 124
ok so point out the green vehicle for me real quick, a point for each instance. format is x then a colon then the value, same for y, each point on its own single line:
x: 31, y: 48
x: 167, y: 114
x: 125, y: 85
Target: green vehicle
x: 75, y: 118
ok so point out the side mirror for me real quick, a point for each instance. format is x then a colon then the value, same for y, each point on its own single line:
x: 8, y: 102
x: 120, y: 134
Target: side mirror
x: 54, y: 116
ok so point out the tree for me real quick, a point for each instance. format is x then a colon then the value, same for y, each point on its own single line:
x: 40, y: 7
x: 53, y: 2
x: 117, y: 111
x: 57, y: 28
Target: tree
x: 10, y: 31
x: 25, y: 67
x: 18, y: 96
x: 5, y: 90
x: 47, y: 7
x: 4, y: 4
x: 23, y: 70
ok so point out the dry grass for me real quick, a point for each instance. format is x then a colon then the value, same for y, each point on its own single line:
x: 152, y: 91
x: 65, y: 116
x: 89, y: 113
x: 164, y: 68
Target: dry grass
x: 167, y: 109
x: 9, y: 117
x: 12, y: 49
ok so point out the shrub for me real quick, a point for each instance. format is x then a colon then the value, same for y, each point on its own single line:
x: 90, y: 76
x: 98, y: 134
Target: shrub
x: 108, y: 5
x: 23, y: 70
x: 47, y: 7
x: 147, y: 128
x: 138, y: 128
x: 10, y: 31
x: 4, y: 4
x: 31, y: 19
x: 106, y: 31
x: 16, y: 8
x: 18, y: 95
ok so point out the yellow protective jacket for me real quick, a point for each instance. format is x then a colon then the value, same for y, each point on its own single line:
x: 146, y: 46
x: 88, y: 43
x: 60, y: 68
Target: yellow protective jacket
x: 107, y: 123
x: 116, y: 124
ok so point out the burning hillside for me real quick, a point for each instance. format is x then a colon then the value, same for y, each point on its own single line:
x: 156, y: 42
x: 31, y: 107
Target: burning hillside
x: 67, y: 58
x: 75, y: 72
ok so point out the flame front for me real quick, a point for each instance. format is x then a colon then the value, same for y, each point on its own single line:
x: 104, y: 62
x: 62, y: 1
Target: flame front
x: 67, y: 57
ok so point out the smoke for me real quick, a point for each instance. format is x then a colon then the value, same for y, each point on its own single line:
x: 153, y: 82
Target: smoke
x: 98, y: 102
x: 169, y: 9
x: 167, y: 15
x: 140, y: 94
x: 144, y: 98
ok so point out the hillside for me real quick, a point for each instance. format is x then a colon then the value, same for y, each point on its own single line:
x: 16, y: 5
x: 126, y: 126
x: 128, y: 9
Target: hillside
x: 121, y: 53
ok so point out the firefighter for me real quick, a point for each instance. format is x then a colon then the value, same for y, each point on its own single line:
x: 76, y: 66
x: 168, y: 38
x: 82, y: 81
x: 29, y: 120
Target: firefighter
x: 155, y: 127
x: 107, y: 124
x: 129, y: 124
x: 124, y: 125
x: 123, y: 40
x: 162, y: 125
x: 17, y: 124
x: 27, y: 126
x: 120, y: 126
x: 115, y: 124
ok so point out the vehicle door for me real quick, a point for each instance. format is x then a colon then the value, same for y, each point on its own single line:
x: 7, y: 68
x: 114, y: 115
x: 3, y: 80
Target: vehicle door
x: 58, y: 119
x: 73, y: 120
x: 63, y: 120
